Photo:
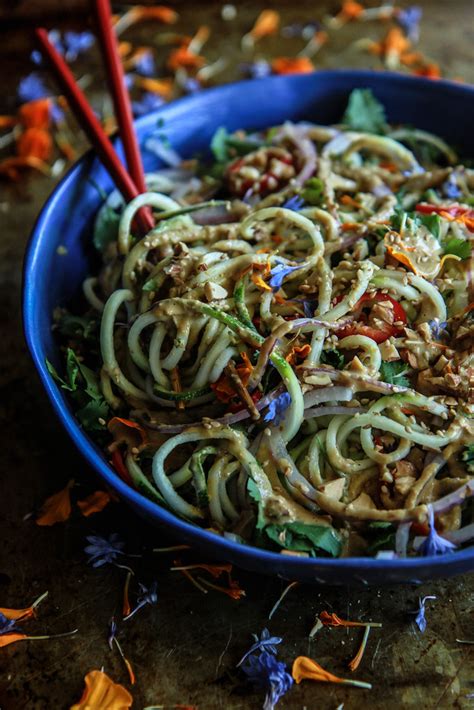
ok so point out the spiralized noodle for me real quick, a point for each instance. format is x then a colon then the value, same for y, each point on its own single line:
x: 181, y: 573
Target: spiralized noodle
x: 296, y: 351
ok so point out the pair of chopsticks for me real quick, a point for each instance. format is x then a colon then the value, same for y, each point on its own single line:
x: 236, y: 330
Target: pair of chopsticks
x: 131, y: 183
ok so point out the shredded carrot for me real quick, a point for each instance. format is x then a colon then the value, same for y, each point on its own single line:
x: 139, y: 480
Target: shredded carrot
x: 292, y: 65
x: 56, y: 508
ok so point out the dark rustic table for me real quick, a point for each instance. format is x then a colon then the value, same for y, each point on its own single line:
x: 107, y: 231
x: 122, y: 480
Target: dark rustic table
x: 185, y: 648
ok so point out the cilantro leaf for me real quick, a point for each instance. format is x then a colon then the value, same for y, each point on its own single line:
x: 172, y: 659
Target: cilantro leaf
x: 313, y: 192
x: 458, y: 247
x: 432, y: 222
x: 90, y: 414
x: 219, y: 145
x: 105, y: 228
x: 333, y: 357
x: 365, y: 113
x: 394, y: 373
x: 468, y: 458
x: 301, y: 537
x: 382, y: 537
x: 399, y: 220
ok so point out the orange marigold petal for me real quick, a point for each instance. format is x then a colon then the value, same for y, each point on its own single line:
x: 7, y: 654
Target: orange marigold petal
x: 292, y: 65
x: 351, y: 10
x: 35, y: 142
x: 267, y: 23
x: 56, y: 508
x: 182, y: 58
x: 10, y: 167
x: 305, y: 668
x: 94, y: 503
x: 35, y: 114
x: 101, y: 692
x: 8, y: 121
x: 162, y: 87
x: 7, y: 639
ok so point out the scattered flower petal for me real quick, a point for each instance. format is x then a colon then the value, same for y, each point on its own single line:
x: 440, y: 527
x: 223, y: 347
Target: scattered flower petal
x: 355, y: 663
x: 266, y: 672
x: 295, y: 203
x: 409, y: 20
x: 8, y: 626
x: 265, y: 642
x: 94, y: 503
x: 23, y: 614
x: 56, y: 508
x: 35, y: 142
x: 76, y: 43
x: 35, y: 114
x: 146, y: 596
x: 292, y: 65
x: 306, y: 669
x: 279, y: 273
x: 420, y: 619
x: 334, y: 620
x: 148, y: 103
x: 140, y: 13
x: 256, y: 70
x: 102, y: 551
x: 32, y: 88
x: 101, y: 692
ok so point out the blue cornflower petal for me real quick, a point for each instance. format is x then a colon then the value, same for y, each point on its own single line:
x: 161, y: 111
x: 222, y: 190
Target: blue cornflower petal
x: 112, y: 632
x: 102, y: 551
x: 434, y: 543
x: 450, y: 188
x: 300, y: 30
x: 7, y: 626
x: 265, y: 642
x: 148, y: 103
x: 309, y: 306
x: 266, y: 672
x: 420, y: 619
x: 277, y: 408
x: 279, y: 273
x: 145, y: 64
x: 32, y: 88
x: 76, y: 43
x: 409, y: 20
x: 295, y: 203
x: 191, y: 85
x: 256, y: 70
x: 438, y: 328
x: 146, y: 596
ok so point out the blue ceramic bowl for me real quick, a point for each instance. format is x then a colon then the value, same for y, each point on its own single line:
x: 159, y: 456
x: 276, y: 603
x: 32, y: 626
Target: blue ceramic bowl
x: 52, y: 278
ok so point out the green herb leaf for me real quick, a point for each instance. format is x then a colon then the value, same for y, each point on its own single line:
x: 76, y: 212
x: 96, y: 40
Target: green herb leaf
x: 432, y: 222
x: 313, y: 192
x: 394, y: 373
x: 54, y: 374
x: 365, y: 113
x: 219, y: 145
x: 90, y: 414
x: 458, y: 247
x: 400, y: 219
x: 106, y: 228
x: 78, y: 327
x: 301, y: 537
x: 468, y: 458
x: 333, y: 357
x: 382, y: 537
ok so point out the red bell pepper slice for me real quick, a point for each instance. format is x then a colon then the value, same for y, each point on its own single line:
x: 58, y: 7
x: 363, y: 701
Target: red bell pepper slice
x: 360, y: 328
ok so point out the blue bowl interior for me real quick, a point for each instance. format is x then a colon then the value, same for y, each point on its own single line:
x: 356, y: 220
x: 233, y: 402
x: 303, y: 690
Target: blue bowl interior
x: 52, y: 278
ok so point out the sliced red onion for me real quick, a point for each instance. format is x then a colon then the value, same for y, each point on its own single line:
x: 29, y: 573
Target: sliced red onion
x: 362, y: 383
x: 306, y: 323
x: 220, y: 214
x: 462, y: 535
x: 225, y: 420
x: 453, y: 499
x: 305, y: 148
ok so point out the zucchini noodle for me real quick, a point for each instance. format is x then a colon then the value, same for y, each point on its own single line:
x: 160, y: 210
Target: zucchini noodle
x: 289, y: 345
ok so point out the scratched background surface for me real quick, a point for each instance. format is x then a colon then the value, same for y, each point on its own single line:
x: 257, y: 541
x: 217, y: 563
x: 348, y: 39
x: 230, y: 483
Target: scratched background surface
x: 185, y: 648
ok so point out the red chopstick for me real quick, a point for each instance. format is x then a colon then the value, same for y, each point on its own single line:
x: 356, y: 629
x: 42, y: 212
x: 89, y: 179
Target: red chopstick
x: 116, y: 79
x: 91, y: 126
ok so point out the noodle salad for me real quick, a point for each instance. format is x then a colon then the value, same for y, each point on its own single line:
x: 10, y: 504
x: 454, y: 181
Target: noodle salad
x: 287, y: 358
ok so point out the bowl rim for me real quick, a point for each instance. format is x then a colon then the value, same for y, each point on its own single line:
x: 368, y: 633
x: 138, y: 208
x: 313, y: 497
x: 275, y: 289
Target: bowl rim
x: 222, y: 546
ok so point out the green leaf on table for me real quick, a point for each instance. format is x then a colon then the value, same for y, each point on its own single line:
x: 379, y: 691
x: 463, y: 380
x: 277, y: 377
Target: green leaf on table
x: 301, y: 537
x: 394, y: 373
x: 365, y: 113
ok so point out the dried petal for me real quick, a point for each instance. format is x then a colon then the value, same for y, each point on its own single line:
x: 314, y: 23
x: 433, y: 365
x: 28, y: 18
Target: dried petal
x: 101, y: 692
x: 56, y: 508
x: 292, y: 65
x: 94, y: 503
x: 35, y: 114
x: 35, y: 142
x: 266, y: 24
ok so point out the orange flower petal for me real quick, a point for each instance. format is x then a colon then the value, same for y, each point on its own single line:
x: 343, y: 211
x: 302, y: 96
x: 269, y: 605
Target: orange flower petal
x: 56, y: 508
x: 101, y: 692
x: 298, y: 352
x: 396, y: 41
x: 35, y: 142
x: 126, y: 608
x: 94, y: 503
x: 10, y: 167
x: 140, y: 13
x: 182, y: 58
x: 306, y: 669
x: 23, y: 614
x: 292, y: 65
x: 266, y: 24
x: 334, y: 620
x: 7, y: 121
x: 162, y: 87
x: 351, y: 10
x: 35, y: 114
x: 258, y: 281
x: 7, y: 639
